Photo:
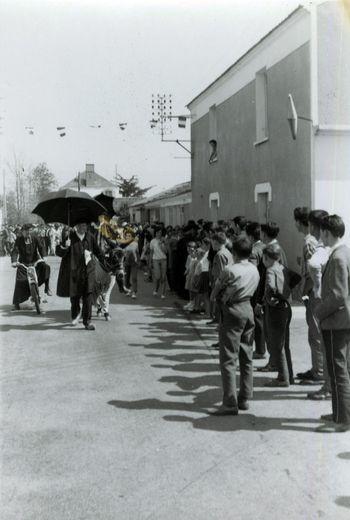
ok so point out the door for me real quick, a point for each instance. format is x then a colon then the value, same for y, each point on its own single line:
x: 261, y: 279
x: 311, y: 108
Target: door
x: 263, y: 207
x: 214, y: 210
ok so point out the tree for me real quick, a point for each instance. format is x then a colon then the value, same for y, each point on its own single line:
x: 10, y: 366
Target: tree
x: 42, y: 181
x: 11, y: 209
x: 130, y: 187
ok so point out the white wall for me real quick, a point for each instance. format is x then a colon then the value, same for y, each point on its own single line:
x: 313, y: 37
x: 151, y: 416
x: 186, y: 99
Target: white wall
x: 332, y: 139
x: 332, y: 174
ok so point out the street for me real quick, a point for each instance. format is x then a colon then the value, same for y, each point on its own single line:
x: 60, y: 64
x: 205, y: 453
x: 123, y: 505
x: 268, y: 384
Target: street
x: 114, y: 424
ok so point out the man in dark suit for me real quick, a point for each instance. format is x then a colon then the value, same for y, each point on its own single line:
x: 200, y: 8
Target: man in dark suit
x: 76, y: 278
x: 334, y: 315
x: 27, y: 250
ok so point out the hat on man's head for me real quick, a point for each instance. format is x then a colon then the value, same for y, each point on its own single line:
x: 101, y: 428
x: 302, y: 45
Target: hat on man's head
x: 82, y: 220
x: 27, y: 226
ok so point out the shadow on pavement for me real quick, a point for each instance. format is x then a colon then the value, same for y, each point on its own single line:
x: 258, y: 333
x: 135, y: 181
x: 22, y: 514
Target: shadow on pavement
x: 343, y: 501
x: 51, y: 320
x: 172, y: 333
x: 344, y: 455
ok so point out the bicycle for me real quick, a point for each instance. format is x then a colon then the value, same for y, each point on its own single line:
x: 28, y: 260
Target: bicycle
x: 32, y: 278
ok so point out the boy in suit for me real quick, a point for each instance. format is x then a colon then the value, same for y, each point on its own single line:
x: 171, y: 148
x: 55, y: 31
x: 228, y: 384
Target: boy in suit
x: 314, y: 375
x: 333, y: 313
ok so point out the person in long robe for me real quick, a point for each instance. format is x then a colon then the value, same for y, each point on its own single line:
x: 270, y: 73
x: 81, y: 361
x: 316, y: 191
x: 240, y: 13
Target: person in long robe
x: 27, y: 250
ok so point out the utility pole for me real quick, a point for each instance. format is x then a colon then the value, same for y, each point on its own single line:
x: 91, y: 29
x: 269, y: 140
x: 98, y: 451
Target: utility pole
x: 162, y: 115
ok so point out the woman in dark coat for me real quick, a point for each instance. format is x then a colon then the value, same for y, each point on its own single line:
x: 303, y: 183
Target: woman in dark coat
x: 77, y: 274
x: 27, y: 250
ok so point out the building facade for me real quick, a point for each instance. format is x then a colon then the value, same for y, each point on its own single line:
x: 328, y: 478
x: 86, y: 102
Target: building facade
x: 171, y: 206
x: 245, y: 160
x: 92, y: 183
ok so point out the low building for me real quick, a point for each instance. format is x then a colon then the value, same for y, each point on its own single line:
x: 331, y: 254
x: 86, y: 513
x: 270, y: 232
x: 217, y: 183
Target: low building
x: 246, y: 160
x: 92, y: 183
x: 171, y: 206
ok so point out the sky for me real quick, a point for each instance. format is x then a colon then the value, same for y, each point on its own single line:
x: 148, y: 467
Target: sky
x: 77, y: 63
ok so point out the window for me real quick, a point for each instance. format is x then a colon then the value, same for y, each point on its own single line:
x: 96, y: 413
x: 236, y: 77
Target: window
x: 213, y: 151
x: 261, y: 106
x: 213, y: 156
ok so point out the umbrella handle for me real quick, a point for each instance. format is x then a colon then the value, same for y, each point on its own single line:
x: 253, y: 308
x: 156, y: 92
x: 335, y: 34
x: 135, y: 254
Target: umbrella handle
x: 68, y: 219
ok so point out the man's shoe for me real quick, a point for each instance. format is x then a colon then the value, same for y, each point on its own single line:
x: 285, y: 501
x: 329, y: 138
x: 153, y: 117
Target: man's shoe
x: 89, y: 326
x: 215, y: 345
x: 75, y: 321
x: 224, y: 410
x: 133, y: 295
x: 107, y: 316
x: 319, y: 395
x: 305, y: 375
x: 276, y: 383
x: 258, y: 356
x: 312, y: 380
x: 163, y: 296
x: 243, y: 404
x: 99, y: 312
x: 342, y: 427
x: 334, y: 428
x: 48, y: 292
x: 327, y: 417
x: 211, y: 322
x: 155, y: 293
x: 16, y: 307
x: 267, y: 368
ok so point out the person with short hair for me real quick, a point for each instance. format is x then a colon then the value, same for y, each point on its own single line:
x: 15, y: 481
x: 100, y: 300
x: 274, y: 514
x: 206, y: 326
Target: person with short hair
x: 253, y: 231
x: 221, y: 257
x: 333, y: 313
x: 131, y: 262
x: 240, y: 224
x: 315, y: 374
x: 233, y: 292
x: 76, y: 278
x: 315, y: 266
x: 269, y: 234
x: 189, y: 273
x: 278, y: 314
x: 158, y: 260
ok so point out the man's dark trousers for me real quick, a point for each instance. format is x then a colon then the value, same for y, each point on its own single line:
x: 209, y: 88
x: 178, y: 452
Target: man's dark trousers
x: 277, y: 320
x: 236, y: 335
x: 87, y: 307
x: 259, y: 334
x: 337, y: 346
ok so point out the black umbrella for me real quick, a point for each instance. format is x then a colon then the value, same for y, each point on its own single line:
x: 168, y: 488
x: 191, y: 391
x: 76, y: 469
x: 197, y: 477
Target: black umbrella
x: 69, y: 207
x: 107, y: 202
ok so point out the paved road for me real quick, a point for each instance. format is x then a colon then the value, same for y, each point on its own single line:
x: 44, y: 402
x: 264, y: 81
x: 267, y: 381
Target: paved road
x: 112, y: 424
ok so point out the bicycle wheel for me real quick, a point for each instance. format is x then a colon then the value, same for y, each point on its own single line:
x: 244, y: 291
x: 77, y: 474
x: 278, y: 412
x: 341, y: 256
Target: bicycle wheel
x: 35, y: 295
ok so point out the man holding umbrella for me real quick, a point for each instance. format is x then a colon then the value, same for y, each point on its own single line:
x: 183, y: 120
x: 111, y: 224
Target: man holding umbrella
x: 76, y: 277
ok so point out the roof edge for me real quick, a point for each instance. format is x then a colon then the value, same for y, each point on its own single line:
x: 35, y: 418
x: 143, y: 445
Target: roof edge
x: 293, y: 13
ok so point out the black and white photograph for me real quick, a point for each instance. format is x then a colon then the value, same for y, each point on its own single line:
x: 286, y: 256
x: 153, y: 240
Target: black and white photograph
x: 175, y: 259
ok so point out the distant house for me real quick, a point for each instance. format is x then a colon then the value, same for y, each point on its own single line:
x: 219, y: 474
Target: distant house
x: 171, y: 206
x: 245, y: 159
x: 92, y: 183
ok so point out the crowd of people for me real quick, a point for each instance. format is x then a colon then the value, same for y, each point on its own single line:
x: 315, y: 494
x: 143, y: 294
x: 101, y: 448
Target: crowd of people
x: 233, y: 272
